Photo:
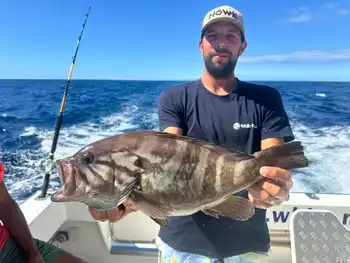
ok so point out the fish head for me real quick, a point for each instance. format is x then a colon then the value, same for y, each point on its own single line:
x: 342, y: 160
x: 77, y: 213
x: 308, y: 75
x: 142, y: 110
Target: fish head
x: 98, y: 175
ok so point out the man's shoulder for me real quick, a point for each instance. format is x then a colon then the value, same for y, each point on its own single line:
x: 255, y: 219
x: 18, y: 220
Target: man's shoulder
x: 257, y: 88
x: 260, y: 93
x: 181, y: 87
x: 177, y: 91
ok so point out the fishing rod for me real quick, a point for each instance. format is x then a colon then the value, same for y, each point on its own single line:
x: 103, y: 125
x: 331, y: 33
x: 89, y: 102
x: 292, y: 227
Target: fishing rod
x: 50, y: 163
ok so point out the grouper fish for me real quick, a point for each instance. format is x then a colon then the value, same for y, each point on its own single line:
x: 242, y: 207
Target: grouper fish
x: 168, y: 175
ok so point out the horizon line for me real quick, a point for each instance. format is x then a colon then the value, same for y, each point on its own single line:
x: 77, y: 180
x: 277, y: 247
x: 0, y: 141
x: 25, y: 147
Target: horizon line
x: 171, y: 80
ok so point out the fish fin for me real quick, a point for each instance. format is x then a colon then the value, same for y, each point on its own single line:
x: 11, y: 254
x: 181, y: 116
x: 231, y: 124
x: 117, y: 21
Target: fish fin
x: 160, y: 221
x: 236, y: 207
x: 149, y: 205
x: 286, y: 156
x: 212, y: 146
x: 124, y: 194
x: 210, y: 212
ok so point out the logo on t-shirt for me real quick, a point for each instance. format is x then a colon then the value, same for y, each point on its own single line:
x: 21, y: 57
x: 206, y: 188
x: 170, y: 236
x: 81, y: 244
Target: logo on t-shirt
x: 237, y: 126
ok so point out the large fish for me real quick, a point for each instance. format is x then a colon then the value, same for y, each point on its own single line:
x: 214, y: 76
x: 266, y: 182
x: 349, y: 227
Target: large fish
x: 168, y: 175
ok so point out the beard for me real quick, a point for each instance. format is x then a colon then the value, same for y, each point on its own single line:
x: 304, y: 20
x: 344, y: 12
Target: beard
x: 221, y: 70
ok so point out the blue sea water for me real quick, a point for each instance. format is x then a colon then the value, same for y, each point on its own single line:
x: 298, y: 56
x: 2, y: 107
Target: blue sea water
x: 319, y: 114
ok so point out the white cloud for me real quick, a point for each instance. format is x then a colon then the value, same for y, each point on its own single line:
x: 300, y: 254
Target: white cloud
x: 331, y: 5
x: 301, y: 14
x: 337, y: 9
x: 304, y: 14
x: 343, y: 11
x: 301, y: 56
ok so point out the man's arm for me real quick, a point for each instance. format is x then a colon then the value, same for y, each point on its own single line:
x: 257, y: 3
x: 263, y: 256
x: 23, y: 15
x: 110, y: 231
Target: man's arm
x: 275, y: 124
x: 173, y: 130
x: 267, y: 143
x: 275, y: 131
x: 13, y: 219
x: 170, y: 113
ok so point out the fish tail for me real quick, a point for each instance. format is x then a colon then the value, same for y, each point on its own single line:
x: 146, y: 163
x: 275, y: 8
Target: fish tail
x: 286, y: 156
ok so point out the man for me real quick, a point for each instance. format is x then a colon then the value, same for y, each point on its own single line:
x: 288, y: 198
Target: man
x: 16, y: 242
x: 220, y: 108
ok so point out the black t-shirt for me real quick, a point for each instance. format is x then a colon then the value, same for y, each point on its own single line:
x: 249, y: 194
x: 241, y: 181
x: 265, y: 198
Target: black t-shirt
x: 238, y: 120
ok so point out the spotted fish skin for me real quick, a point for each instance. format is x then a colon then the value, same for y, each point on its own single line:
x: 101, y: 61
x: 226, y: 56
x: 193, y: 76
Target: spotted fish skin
x: 166, y: 174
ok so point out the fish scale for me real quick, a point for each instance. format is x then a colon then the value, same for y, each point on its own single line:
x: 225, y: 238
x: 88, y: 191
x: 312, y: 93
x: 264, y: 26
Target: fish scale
x: 163, y: 174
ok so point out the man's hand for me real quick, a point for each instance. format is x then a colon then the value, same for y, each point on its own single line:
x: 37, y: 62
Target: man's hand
x: 115, y: 214
x: 272, y: 191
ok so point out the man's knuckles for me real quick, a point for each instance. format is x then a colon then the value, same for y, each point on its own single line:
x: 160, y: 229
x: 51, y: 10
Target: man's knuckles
x: 269, y: 189
x: 276, y: 173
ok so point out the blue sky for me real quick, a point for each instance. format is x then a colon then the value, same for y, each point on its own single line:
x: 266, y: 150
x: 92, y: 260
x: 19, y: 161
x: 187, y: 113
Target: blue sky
x: 153, y: 39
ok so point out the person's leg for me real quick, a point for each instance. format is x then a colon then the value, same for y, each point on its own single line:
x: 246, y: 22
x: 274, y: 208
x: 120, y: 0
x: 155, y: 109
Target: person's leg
x: 170, y: 255
x: 12, y: 252
x: 248, y: 258
x: 53, y: 254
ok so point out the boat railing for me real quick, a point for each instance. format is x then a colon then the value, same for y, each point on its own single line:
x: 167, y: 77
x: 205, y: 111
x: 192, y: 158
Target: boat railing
x: 137, y: 233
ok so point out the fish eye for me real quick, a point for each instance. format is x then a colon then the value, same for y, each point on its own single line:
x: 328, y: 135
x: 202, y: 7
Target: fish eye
x: 87, y: 158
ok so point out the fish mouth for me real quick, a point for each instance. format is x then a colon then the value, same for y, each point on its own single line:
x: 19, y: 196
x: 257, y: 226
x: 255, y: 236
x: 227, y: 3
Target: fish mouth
x: 61, y: 170
x: 66, y: 170
x: 66, y: 173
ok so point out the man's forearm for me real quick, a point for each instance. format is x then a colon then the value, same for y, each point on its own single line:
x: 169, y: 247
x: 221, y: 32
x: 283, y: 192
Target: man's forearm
x: 14, y: 220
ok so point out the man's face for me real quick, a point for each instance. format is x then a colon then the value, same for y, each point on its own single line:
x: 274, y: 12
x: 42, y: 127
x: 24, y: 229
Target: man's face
x: 221, y: 46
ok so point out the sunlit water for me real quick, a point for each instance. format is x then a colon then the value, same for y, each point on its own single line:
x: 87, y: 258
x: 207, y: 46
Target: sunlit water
x: 319, y: 113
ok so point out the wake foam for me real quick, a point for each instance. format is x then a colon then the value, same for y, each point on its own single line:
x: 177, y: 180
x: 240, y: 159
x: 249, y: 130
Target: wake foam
x: 327, y: 149
x: 25, y: 175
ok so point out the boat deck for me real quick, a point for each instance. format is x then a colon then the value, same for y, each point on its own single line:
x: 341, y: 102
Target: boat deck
x: 86, y: 241
x: 129, y: 241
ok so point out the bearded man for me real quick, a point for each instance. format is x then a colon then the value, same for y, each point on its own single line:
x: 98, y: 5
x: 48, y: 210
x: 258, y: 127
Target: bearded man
x: 221, y: 109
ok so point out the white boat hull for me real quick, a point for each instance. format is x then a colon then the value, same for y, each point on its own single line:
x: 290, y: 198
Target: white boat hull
x: 132, y: 239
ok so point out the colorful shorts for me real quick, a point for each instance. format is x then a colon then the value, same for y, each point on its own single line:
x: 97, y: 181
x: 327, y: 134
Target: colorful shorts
x: 170, y: 255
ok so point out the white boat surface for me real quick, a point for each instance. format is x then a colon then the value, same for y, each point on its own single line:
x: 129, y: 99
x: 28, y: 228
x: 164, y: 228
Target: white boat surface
x: 70, y: 226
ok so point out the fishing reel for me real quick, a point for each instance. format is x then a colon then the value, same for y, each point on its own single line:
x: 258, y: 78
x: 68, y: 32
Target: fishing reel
x: 47, y: 165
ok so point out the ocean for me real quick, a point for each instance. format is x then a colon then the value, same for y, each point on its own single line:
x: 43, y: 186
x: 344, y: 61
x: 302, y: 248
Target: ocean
x: 319, y: 113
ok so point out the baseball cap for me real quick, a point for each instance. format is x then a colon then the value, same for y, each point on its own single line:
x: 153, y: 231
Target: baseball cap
x: 223, y: 13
